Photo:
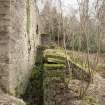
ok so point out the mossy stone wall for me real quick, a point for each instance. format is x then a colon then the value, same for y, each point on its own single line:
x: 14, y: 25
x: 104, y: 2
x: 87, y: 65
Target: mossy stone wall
x: 54, y: 86
x: 57, y: 76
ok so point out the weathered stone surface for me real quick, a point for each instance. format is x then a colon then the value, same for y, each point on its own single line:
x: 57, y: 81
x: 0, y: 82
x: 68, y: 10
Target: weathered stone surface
x: 4, y: 44
x: 18, y: 41
x: 45, y: 39
x: 54, y: 85
x: 10, y: 100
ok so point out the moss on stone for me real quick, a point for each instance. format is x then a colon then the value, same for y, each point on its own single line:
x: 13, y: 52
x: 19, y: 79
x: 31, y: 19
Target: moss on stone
x: 54, y: 56
x: 44, y: 34
x: 89, y: 100
x: 43, y: 47
x: 53, y: 66
x: 55, y: 74
x: 81, y: 67
x: 101, y: 66
x: 58, y: 56
x: 55, y: 52
x: 54, y: 60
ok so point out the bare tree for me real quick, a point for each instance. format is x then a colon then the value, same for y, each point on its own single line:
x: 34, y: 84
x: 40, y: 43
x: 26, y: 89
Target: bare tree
x: 84, y: 22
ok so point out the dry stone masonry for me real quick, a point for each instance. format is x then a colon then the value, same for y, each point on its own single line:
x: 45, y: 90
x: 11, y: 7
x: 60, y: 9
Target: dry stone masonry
x: 61, y: 86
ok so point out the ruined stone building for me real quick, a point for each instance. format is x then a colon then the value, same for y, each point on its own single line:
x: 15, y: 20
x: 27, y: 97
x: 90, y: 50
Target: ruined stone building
x: 57, y: 72
x: 18, y: 41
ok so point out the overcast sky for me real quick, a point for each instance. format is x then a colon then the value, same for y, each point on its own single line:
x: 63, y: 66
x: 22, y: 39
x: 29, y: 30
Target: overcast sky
x: 66, y: 4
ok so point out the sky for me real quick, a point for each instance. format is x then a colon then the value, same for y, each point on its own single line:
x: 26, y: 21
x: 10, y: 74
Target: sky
x: 70, y: 3
x: 66, y: 4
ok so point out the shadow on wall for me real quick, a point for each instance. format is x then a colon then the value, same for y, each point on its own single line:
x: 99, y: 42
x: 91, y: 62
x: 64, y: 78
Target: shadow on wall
x: 34, y: 92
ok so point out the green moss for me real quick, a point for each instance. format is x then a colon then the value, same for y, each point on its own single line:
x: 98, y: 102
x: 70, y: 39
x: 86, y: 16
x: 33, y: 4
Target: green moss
x: 53, y: 66
x: 43, y: 47
x: 55, y: 74
x: 59, y: 56
x: 54, y: 57
x: 101, y: 66
x: 53, y: 60
x: 57, y: 59
x: 44, y: 34
x: 54, y: 52
x: 89, y: 100
x: 79, y: 66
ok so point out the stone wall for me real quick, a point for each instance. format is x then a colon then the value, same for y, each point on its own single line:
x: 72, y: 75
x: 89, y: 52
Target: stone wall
x: 54, y: 87
x: 18, y: 41
x: 45, y: 39
x: 61, y: 85
x: 4, y: 44
x: 10, y: 100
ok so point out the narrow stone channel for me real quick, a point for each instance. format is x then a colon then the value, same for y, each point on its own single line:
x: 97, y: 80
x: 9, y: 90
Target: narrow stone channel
x: 34, y: 92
